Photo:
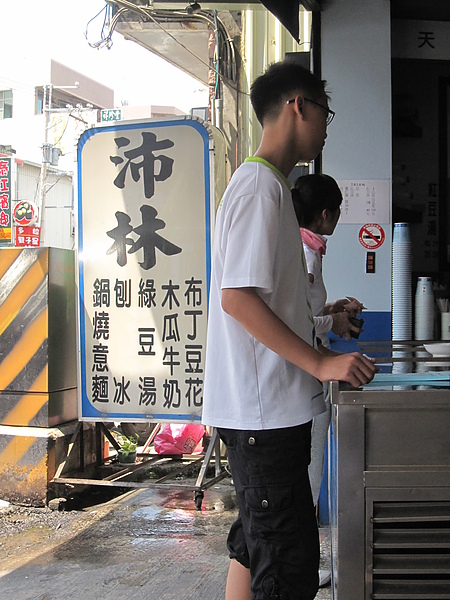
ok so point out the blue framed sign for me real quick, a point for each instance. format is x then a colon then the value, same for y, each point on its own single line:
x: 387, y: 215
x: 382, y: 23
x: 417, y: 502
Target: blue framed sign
x: 143, y: 268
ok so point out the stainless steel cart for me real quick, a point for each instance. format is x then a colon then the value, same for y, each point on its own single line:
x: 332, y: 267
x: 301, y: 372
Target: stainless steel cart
x: 390, y: 488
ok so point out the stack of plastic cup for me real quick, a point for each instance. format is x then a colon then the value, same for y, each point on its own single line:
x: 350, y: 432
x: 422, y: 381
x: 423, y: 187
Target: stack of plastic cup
x: 445, y: 325
x: 401, y: 283
x: 424, y: 309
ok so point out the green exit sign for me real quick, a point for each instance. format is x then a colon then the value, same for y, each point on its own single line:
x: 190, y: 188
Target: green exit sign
x: 111, y: 114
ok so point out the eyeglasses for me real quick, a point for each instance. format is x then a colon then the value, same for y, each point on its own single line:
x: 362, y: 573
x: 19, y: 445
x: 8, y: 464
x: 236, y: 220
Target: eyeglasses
x: 330, y: 113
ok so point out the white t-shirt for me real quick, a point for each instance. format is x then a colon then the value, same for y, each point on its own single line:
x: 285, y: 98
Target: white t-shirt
x: 318, y: 292
x: 257, y: 244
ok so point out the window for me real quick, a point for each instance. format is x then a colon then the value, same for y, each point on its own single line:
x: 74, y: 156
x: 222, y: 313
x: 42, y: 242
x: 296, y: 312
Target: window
x: 6, y: 104
x: 60, y: 99
x: 39, y: 101
x: 60, y: 102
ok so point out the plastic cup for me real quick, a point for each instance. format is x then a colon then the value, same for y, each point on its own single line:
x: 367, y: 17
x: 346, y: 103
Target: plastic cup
x: 401, y: 232
x: 445, y: 326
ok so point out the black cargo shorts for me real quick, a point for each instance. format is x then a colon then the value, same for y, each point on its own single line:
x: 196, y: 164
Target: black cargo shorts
x: 275, y: 534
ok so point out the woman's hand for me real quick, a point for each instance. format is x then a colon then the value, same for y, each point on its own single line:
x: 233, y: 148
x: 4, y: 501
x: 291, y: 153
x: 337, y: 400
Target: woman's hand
x: 350, y: 305
x: 342, y: 326
x: 354, y: 305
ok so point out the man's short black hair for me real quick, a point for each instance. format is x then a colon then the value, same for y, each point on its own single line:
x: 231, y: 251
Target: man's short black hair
x: 279, y: 83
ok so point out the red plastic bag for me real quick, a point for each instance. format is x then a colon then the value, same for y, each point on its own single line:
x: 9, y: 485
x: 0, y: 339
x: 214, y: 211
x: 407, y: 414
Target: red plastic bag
x: 178, y: 439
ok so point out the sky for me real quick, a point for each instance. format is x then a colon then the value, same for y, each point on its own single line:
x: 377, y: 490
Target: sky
x: 56, y: 29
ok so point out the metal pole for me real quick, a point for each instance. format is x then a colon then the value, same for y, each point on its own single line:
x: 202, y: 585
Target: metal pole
x: 43, y: 174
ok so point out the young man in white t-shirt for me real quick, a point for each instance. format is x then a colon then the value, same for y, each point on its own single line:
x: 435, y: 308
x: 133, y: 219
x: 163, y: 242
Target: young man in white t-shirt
x: 263, y: 374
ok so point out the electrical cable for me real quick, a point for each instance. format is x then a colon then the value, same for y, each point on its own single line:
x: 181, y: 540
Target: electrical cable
x: 212, y: 21
x: 167, y: 16
x: 217, y: 93
x: 152, y: 18
x: 107, y: 22
x: 17, y: 85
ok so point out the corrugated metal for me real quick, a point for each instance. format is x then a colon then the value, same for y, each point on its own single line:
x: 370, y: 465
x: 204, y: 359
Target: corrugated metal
x: 58, y: 223
x: 58, y: 209
x: 58, y: 204
x: 59, y: 192
x: 27, y: 182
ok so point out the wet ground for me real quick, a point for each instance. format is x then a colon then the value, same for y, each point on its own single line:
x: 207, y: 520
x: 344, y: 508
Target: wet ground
x: 149, y: 544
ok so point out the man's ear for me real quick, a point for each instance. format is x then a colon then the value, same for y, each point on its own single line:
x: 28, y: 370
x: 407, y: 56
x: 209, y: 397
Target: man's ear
x: 300, y: 103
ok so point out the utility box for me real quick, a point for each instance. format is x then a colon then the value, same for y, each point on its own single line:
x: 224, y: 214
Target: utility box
x: 38, y: 367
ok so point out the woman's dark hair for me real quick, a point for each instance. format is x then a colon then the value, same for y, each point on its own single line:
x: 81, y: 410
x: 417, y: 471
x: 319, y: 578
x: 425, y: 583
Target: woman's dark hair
x: 278, y: 83
x: 312, y: 194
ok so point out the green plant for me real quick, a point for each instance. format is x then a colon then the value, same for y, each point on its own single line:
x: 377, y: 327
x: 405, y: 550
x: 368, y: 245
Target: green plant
x: 128, y: 444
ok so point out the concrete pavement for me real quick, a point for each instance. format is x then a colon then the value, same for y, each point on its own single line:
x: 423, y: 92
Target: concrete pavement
x: 150, y: 544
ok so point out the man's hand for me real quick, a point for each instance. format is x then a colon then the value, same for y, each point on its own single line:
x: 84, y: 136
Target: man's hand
x: 247, y: 308
x: 354, y: 368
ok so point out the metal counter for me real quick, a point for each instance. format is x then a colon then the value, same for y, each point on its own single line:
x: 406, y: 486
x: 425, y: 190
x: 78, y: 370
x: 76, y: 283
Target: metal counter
x: 389, y: 482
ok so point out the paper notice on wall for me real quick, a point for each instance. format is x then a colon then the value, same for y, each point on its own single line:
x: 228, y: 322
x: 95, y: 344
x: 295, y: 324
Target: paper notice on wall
x: 365, y: 201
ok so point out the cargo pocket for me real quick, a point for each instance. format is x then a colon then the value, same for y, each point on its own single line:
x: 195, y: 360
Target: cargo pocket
x: 272, y: 515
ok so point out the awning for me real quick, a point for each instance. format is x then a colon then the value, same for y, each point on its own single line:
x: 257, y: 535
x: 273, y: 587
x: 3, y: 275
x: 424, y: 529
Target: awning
x: 287, y: 12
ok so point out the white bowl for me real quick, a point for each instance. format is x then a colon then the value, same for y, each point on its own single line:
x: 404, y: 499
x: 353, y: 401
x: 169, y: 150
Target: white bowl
x: 438, y: 349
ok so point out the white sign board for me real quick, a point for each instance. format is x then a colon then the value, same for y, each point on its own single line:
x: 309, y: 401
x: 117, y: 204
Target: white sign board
x: 144, y: 240
x: 365, y: 200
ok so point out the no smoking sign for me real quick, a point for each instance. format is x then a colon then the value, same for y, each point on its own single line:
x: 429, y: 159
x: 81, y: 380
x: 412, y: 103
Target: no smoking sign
x: 371, y: 236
